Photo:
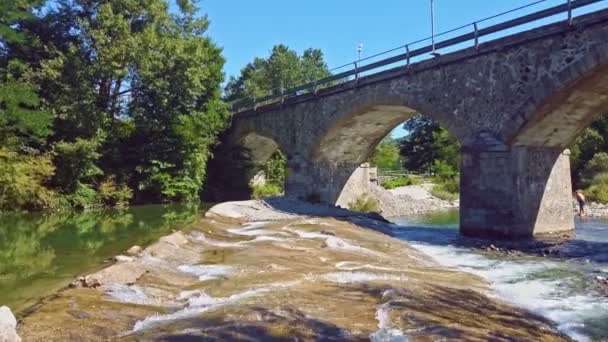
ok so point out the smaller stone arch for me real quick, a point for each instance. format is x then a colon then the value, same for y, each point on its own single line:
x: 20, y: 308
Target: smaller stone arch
x: 236, y: 162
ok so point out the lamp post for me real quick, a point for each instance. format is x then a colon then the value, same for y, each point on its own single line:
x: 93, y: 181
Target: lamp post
x: 359, y: 50
x: 434, y: 53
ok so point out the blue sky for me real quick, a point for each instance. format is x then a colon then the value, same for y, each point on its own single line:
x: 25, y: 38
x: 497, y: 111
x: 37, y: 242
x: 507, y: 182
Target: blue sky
x: 246, y: 28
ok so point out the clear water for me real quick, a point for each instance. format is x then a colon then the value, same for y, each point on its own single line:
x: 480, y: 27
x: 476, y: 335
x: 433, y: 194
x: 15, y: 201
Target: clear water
x: 563, y: 289
x: 43, y: 252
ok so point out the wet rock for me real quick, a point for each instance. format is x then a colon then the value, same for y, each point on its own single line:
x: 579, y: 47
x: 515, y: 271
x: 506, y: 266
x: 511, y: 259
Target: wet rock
x: 176, y: 239
x: 78, y: 314
x: 89, y: 281
x: 121, y: 273
x: 8, y: 326
x: 134, y: 251
x: 122, y: 258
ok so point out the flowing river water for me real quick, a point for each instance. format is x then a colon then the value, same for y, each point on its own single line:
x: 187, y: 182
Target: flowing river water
x: 355, y: 282
x: 564, y: 286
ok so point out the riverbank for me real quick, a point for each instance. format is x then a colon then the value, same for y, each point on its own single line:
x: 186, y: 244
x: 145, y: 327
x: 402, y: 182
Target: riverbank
x: 295, y: 277
x: 417, y: 199
x: 410, y: 200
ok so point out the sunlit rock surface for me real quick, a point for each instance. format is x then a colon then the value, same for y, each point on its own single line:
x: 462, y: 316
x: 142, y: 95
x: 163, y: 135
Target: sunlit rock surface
x: 299, y: 279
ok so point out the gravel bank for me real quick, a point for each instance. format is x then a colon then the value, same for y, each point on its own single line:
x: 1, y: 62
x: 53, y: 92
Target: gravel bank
x: 410, y: 200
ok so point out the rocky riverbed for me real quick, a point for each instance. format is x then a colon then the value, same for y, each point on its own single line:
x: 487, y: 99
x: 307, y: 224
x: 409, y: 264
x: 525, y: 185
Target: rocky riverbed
x: 417, y: 199
x: 290, y: 277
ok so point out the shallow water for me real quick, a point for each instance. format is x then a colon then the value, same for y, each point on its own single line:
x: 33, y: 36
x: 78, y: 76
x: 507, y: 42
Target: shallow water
x: 563, y: 289
x: 42, y: 252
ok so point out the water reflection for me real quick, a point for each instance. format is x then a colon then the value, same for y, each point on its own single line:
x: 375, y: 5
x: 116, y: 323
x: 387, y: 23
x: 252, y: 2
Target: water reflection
x: 40, y: 253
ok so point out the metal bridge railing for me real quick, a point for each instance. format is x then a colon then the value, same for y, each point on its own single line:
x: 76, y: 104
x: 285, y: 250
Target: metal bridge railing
x: 358, y: 67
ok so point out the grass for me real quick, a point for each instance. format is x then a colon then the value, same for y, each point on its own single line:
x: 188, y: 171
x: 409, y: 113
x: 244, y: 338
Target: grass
x: 265, y: 191
x: 442, y: 191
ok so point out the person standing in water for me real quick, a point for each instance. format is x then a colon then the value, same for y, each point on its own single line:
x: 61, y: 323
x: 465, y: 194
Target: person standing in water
x: 580, y: 198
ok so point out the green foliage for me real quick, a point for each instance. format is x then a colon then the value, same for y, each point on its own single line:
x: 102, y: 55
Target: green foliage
x: 77, y: 160
x: 266, y: 190
x: 444, y: 171
x: 596, y: 166
x: 590, y: 142
x: 275, y: 170
x: 397, y: 183
x: 113, y: 194
x: 445, y: 191
x: 598, y: 191
x: 283, y: 69
x: 426, y: 143
x: 21, y: 121
x: 22, y: 181
x: 386, y: 155
x: 130, y: 88
x: 365, y: 204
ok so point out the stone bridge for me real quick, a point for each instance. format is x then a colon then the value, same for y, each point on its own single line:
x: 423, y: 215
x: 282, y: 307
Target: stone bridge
x: 514, y: 103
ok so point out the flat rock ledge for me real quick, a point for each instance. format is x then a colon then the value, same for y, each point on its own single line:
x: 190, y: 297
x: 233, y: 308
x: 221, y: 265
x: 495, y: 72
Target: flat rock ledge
x: 281, y: 208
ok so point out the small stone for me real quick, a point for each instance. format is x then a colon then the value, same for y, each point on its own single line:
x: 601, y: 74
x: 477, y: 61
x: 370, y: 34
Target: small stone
x: 134, y: 251
x: 8, y: 326
x: 90, y: 282
x: 78, y: 314
x: 122, y: 258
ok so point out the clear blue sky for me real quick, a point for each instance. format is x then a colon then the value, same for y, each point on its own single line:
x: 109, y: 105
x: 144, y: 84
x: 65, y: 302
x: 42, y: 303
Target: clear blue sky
x: 247, y: 28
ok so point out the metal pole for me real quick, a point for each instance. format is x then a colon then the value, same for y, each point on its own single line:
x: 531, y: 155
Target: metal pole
x: 433, y: 25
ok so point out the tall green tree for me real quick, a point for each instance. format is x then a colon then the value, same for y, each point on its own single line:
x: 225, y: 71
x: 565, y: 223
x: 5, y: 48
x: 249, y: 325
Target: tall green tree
x: 426, y: 143
x: 386, y: 155
x: 135, y: 89
x: 283, y: 69
x: 22, y: 123
x: 24, y: 167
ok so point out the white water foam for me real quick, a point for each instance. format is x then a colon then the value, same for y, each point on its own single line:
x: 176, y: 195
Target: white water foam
x: 514, y: 281
x: 360, y: 277
x: 206, y: 272
x: 199, y: 302
x: 128, y: 294
x: 385, y: 333
x: 335, y: 242
x: 355, y: 266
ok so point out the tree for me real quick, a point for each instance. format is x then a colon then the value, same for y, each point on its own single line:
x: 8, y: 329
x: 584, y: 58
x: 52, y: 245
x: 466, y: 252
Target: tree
x: 427, y: 142
x: 283, y: 69
x: 137, y: 85
x: 24, y: 168
x: 589, y: 143
x: 386, y: 155
x: 22, y: 124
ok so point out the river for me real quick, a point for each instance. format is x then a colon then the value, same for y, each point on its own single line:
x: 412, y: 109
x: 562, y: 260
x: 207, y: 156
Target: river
x: 43, y: 252
x: 564, y: 289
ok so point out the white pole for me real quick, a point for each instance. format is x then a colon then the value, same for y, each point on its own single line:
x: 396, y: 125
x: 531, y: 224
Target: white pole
x: 433, y: 24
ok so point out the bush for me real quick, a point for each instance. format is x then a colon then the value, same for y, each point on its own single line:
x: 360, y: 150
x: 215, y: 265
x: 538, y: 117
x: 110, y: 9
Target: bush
x: 598, y: 191
x: 83, y: 197
x: 596, y: 166
x: 113, y: 194
x: 398, y: 182
x: 365, y: 204
x: 445, y: 192
x: 444, y: 172
x: 266, y: 190
x: 22, y: 181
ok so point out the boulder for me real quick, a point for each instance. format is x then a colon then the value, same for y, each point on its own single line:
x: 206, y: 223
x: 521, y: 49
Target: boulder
x: 8, y: 326
x: 134, y: 251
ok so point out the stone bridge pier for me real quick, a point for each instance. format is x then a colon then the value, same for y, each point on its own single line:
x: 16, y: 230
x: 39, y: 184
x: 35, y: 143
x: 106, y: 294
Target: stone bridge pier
x: 515, y: 192
x: 514, y: 103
